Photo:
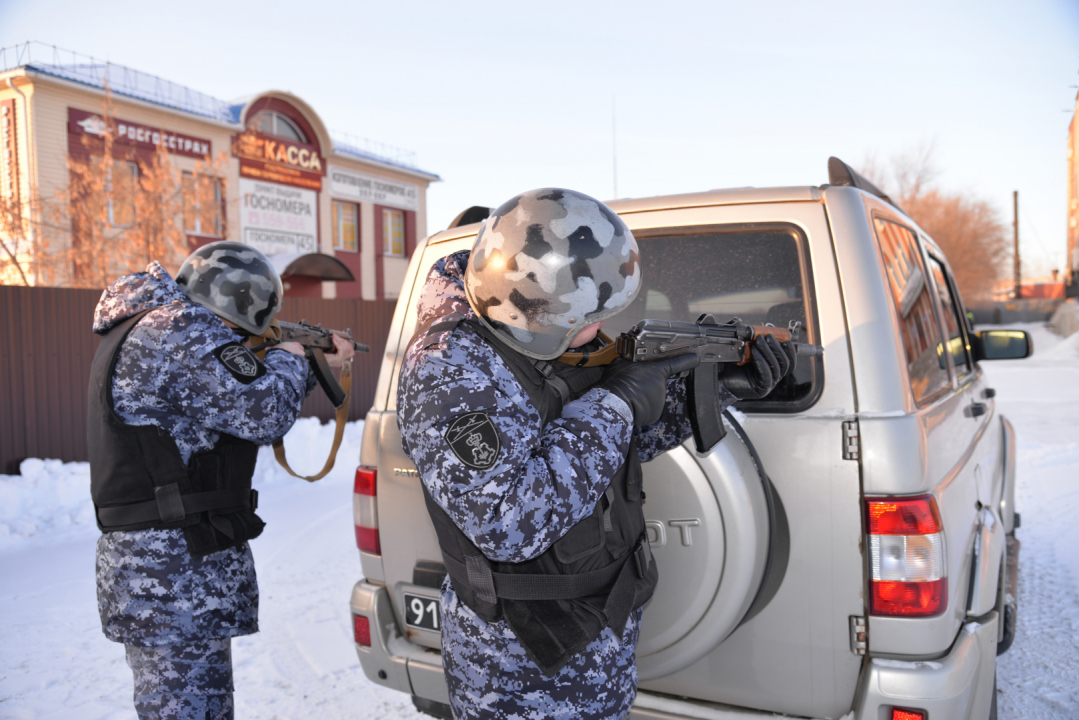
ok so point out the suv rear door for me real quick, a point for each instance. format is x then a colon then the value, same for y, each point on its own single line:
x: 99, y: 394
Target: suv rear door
x: 794, y: 655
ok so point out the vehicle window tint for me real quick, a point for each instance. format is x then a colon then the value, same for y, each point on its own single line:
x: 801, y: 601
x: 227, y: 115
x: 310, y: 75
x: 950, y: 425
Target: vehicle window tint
x: 758, y: 276
x: 953, y: 321
x: 917, y: 321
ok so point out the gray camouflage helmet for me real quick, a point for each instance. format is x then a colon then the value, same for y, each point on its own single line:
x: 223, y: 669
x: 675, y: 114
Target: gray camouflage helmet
x: 234, y: 281
x: 548, y: 263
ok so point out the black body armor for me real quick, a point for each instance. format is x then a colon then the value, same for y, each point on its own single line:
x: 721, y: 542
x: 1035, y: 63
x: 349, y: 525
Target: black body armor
x: 138, y: 479
x: 594, y: 576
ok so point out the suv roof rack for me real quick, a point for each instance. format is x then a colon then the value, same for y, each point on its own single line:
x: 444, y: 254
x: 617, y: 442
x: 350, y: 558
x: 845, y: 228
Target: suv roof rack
x: 474, y: 214
x: 840, y: 173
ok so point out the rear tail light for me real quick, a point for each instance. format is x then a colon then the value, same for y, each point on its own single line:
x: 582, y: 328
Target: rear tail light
x: 908, y: 574
x: 364, y: 510
x: 901, y: 714
x: 361, y: 630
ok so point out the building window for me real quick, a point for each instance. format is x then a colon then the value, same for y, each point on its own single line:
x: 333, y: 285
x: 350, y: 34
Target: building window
x: 123, y: 185
x: 273, y: 123
x: 393, y: 233
x: 202, y: 205
x: 345, y: 235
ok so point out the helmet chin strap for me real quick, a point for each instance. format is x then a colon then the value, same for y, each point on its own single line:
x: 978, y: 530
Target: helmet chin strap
x: 604, y: 356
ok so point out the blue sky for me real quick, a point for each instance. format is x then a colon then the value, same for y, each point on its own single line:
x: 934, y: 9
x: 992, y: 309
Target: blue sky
x: 499, y: 97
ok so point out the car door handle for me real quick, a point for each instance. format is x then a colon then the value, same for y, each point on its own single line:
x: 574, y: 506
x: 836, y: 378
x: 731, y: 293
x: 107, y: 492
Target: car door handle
x: 977, y: 409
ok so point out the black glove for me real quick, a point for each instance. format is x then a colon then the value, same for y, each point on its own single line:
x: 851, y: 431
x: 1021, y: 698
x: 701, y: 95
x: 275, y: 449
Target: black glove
x: 769, y: 362
x: 643, y: 385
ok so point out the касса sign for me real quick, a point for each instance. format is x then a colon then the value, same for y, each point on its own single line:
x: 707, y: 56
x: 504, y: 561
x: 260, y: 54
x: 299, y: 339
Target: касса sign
x: 278, y: 218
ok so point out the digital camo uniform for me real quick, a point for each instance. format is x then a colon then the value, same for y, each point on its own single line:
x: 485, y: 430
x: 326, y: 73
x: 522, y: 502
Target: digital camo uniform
x: 153, y: 596
x: 539, y: 487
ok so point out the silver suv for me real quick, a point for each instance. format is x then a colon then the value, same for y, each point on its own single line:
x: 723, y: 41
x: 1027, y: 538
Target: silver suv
x: 846, y: 551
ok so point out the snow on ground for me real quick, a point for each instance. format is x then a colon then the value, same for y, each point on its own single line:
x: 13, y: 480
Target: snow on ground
x: 56, y: 665
x: 1039, y: 676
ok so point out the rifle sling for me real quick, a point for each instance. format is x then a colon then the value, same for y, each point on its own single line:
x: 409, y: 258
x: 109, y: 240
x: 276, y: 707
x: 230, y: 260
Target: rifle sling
x: 604, y: 356
x: 339, y: 432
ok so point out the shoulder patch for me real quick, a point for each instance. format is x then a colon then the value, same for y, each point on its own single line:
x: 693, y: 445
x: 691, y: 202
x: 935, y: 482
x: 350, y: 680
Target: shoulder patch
x: 241, y: 362
x: 474, y: 440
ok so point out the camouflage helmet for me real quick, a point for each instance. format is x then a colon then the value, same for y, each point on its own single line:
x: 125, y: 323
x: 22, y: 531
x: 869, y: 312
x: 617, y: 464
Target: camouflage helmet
x: 548, y: 263
x: 234, y: 281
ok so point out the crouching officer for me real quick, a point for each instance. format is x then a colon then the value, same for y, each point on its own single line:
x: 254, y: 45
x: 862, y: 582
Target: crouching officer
x: 530, y: 460
x: 177, y: 409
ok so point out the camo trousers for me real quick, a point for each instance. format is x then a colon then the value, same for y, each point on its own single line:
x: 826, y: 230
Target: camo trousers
x: 187, y: 681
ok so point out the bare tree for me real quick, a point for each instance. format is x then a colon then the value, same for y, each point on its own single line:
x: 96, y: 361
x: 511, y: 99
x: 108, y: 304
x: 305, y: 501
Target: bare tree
x: 119, y: 211
x: 968, y: 228
x: 15, y: 256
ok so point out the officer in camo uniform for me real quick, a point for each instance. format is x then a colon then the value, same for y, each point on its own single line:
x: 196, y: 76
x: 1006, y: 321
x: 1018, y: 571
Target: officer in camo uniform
x: 178, y: 407
x: 531, y: 465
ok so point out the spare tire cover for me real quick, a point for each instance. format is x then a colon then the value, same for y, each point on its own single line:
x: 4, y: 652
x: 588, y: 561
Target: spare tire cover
x: 707, y: 522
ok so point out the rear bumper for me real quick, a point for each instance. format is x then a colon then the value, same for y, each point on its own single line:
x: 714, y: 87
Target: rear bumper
x: 958, y: 685
x: 392, y: 660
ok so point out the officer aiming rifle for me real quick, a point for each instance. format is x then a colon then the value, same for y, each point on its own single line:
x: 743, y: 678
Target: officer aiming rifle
x: 178, y: 406
x: 528, y: 433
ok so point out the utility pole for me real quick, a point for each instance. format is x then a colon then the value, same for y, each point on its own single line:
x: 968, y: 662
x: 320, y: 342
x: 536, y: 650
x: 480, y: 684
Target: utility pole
x: 1015, y: 230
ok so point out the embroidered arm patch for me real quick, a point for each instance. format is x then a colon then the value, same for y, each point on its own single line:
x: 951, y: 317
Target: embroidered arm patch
x: 474, y: 440
x: 241, y: 362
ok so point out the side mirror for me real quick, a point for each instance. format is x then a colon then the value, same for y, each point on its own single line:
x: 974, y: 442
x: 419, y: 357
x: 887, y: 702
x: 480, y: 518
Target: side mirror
x: 1001, y: 345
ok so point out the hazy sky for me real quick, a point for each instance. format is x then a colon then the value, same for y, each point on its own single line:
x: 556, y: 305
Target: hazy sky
x: 500, y: 97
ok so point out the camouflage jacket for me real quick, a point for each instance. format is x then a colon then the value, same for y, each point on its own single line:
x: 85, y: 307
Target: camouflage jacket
x: 150, y: 590
x: 540, y: 485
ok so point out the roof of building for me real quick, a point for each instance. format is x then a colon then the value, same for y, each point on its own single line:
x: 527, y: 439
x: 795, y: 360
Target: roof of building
x: 128, y: 82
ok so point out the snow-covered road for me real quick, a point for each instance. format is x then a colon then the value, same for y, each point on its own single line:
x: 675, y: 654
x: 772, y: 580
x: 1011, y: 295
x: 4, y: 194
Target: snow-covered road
x: 55, y: 664
x: 1039, y: 677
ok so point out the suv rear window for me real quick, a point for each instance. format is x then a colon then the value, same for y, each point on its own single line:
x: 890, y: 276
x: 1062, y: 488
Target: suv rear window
x: 759, y: 275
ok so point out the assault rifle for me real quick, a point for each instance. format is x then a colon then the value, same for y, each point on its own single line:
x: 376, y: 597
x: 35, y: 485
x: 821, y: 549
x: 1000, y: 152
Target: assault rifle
x: 316, y: 341
x: 714, y: 344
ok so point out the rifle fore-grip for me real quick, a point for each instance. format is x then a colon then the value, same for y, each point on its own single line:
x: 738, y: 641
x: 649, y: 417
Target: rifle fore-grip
x: 781, y: 334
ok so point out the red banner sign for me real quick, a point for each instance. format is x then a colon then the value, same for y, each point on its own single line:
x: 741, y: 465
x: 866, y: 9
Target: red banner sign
x: 132, y: 134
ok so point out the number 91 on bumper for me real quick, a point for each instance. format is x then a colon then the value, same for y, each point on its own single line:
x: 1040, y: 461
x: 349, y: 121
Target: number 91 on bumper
x: 421, y: 612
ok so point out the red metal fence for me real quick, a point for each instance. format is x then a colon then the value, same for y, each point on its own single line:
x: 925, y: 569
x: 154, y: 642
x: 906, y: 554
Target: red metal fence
x: 46, y: 347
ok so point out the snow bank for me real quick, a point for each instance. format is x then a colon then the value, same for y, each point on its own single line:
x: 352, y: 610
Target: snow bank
x: 50, y: 498
x: 46, y: 495
x: 1065, y: 321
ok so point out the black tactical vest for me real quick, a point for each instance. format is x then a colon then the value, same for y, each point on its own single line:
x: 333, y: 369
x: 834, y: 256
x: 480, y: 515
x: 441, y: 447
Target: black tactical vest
x: 594, y: 576
x: 138, y: 479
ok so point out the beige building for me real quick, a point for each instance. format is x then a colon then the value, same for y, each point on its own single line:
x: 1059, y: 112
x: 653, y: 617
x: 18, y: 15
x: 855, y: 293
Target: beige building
x: 339, y: 218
